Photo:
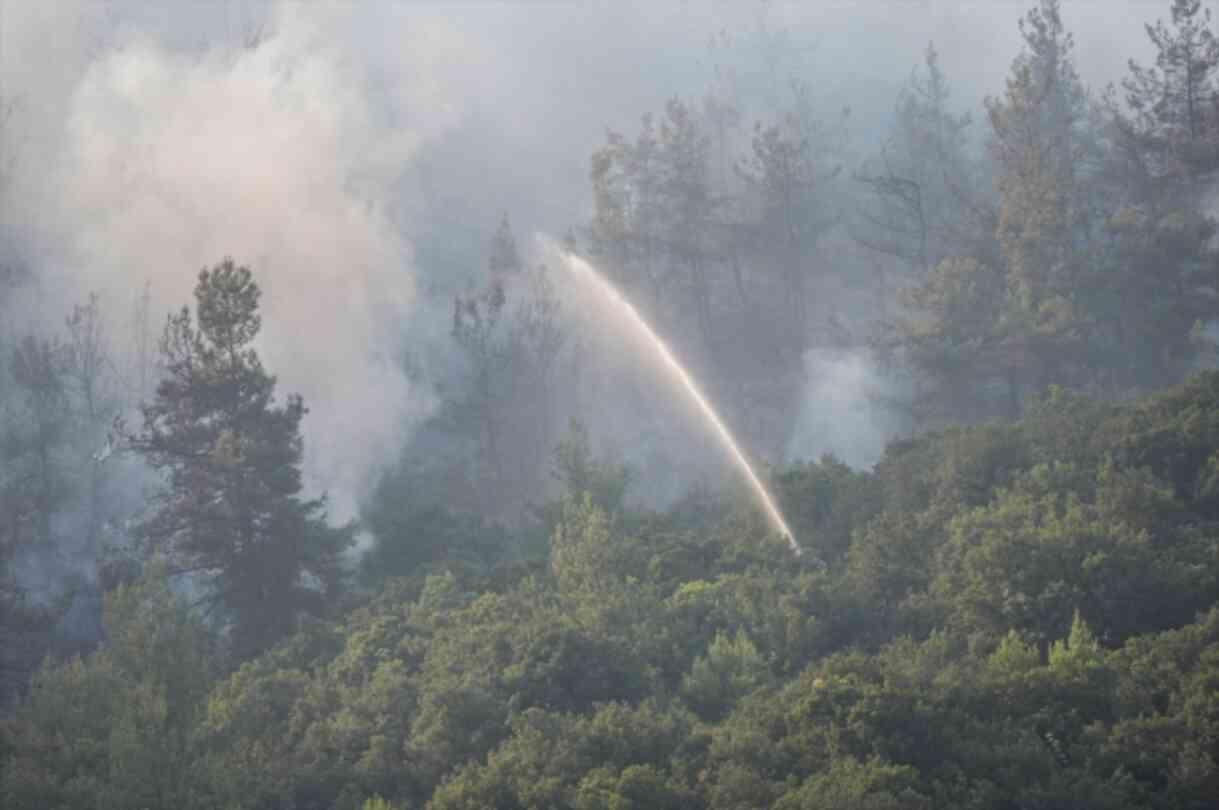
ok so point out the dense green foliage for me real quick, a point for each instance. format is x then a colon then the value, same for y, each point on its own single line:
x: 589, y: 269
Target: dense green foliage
x: 1021, y: 614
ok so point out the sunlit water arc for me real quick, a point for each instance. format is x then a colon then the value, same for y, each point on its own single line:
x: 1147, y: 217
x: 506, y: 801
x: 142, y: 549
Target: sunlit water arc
x: 610, y: 294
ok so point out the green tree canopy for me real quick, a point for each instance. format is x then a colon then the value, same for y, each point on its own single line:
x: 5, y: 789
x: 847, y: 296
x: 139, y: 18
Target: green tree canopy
x: 232, y: 512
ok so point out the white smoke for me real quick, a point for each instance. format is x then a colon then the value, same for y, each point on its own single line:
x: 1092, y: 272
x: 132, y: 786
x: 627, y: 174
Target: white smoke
x: 161, y: 160
x: 843, y: 411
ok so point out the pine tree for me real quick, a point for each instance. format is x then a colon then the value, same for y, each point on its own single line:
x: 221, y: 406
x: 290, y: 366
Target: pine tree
x: 1005, y: 313
x: 1038, y: 147
x: 1175, y: 105
x: 687, y: 206
x: 791, y: 170
x: 947, y: 334
x: 232, y: 513
x: 626, y: 232
x: 1152, y: 286
x: 915, y: 209
x: 511, y: 333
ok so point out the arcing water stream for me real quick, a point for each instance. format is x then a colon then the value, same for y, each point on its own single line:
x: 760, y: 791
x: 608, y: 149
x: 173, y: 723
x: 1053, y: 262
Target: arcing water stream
x: 606, y: 291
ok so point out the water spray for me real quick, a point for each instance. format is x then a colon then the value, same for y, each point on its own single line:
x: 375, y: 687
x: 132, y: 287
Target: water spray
x: 607, y: 291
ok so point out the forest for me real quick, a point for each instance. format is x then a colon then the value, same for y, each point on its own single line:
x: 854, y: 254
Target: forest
x: 313, y: 498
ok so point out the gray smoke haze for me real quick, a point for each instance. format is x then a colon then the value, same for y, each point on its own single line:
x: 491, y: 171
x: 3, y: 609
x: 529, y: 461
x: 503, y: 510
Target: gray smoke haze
x: 844, y: 409
x: 282, y: 155
x: 357, y: 157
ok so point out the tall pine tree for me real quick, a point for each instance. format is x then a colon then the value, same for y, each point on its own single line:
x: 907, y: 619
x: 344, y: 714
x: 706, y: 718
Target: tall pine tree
x: 1039, y: 145
x: 232, y: 513
x: 1175, y: 104
x: 1152, y: 288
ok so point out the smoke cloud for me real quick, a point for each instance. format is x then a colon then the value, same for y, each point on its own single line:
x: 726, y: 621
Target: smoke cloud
x: 333, y: 146
x: 285, y: 156
x: 844, y: 409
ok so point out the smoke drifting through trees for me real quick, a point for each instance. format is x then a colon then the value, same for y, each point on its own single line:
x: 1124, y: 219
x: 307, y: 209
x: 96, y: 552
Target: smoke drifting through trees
x: 1000, y: 247
x: 293, y: 160
x: 347, y: 114
x: 845, y: 248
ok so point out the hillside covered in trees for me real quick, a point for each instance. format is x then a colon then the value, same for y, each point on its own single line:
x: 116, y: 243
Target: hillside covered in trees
x: 1013, y: 615
x: 305, y: 544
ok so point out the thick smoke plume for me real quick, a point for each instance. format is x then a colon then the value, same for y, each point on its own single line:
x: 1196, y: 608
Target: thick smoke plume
x: 282, y: 153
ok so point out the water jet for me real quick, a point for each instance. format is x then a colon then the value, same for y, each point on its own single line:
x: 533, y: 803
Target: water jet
x: 610, y: 294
